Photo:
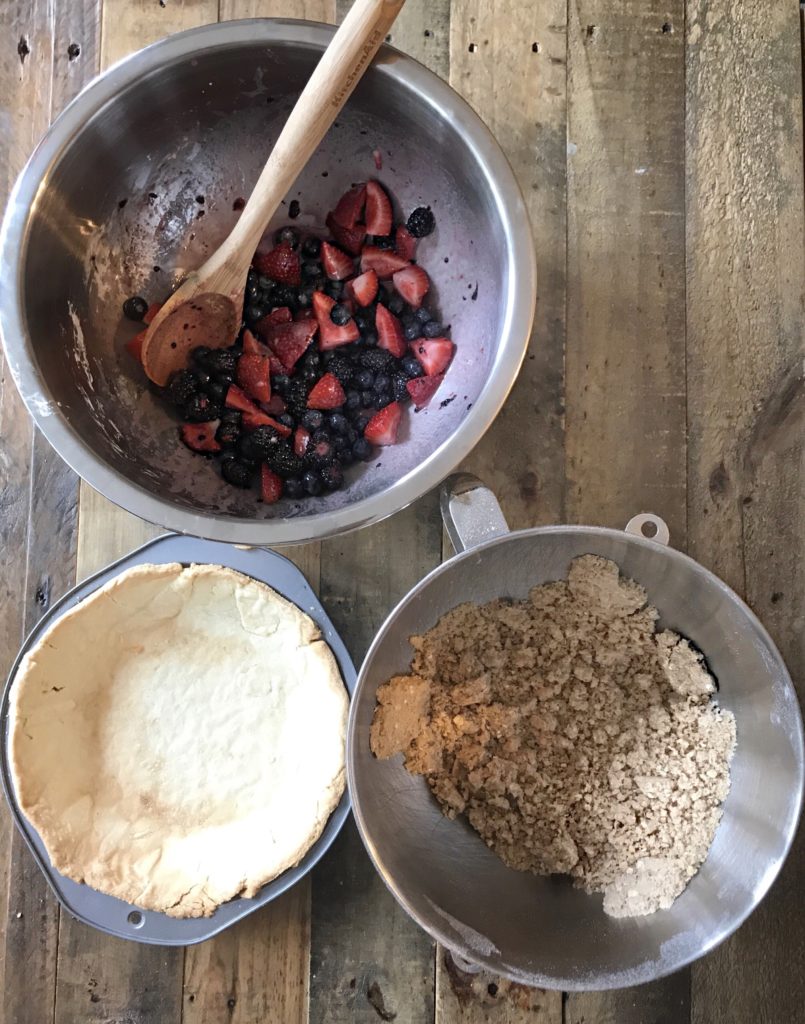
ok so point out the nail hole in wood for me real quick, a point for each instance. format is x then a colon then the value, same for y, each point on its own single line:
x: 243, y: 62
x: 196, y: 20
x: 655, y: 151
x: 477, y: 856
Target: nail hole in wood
x: 388, y: 38
x: 667, y: 28
x: 231, y: 1002
x: 23, y: 49
x: 472, y: 47
x: 73, y: 51
x: 535, y: 48
x: 427, y: 33
x: 492, y: 988
x: 592, y: 33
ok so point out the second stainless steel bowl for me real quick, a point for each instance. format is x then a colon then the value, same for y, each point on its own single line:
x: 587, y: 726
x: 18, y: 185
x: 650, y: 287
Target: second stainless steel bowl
x: 135, y: 183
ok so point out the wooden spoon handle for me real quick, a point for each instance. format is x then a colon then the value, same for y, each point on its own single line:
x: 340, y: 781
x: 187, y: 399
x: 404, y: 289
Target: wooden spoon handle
x: 332, y: 82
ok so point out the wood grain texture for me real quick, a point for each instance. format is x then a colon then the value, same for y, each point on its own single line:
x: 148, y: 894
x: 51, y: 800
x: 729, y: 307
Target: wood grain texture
x: 128, y: 25
x: 422, y: 30
x: 309, y: 10
x: 520, y: 93
x: 625, y: 380
x: 746, y: 405
x: 367, y: 957
x: 625, y: 372
x: 483, y: 998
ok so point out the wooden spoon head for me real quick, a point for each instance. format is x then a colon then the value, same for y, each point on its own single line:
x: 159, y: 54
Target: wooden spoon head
x: 209, y: 319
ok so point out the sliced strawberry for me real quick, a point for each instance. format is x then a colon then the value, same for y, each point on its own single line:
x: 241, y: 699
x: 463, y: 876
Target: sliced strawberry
x: 301, y: 440
x: 282, y: 264
x: 378, y: 209
x: 384, y: 262
x: 350, y: 239
x: 382, y: 427
x: 152, y: 311
x: 201, y: 436
x: 349, y: 207
x: 364, y: 288
x: 135, y: 345
x: 276, y: 366
x: 434, y: 354
x: 404, y: 243
x: 422, y: 389
x: 279, y: 315
x: 251, y: 346
x: 254, y: 376
x: 412, y: 283
x: 252, y: 416
x: 270, y: 485
x: 327, y: 393
x: 290, y: 341
x: 337, y: 265
x: 330, y: 335
x: 390, y: 333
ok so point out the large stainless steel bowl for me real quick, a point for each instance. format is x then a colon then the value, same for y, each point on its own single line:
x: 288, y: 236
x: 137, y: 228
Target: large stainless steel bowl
x: 542, y: 931
x: 135, y: 183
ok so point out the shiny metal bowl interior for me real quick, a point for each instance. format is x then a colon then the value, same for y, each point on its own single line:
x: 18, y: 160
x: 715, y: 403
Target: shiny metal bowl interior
x: 543, y: 931
x: 135, y: 184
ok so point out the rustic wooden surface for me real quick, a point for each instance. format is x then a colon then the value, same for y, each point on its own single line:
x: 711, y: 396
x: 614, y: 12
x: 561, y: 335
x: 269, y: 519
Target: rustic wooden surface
x: 659, y: 148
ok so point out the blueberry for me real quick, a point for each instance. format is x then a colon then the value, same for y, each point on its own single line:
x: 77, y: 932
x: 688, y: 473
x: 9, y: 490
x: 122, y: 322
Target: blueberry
x: 340, y: 445
x: 365, y: 379
x: 286, y: 420
x: 433, y: 329
x: 361, y: 421
x: 412, y: 367
x: 396, y: 304
x: 352, y: 435
x: 217, y: 390
x: 312, y: 483
x: 294, y: 487
x: 338, y: 423
x: 382, y: 382
x: 285, y: 295
x: 303, y: 298
x: 199, y: 354
x: 332, y: 477
x: 382, y: 398
x: 312, y: 419
x: 311, y: 247
x: 422, y: 315
x: 252, y: 278
x: 362, y: 449
x: 252, y: 313
x: 236, y: 472
x: 334, y: 289
x: 231, y: 416
x: 227, y: 434
x: 183, y: 385
x: 364, y: 321
x: 266, y: 284
x: 280, y: 383
x: 287, y: 236
x: 421, y: 222
x: 370, y: 339
x: 353, y: 400
x: 346, y: 457
x: 413, y: 331
x: 135, y: 308
x: 252, y: 294
x: 340, y: 315
x: 383, y: 241
x: 367, y: 399
x: 310, y: 270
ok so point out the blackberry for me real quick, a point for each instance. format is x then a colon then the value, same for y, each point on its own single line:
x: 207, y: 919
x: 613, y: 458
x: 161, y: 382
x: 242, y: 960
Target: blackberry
x: 422, y: 315
x: 231, y: 416
x: 183, y: 385
x: 433, y: 329
x: 320, y: 453
x: 334, y: 289
x: 312, y: 483
x: 362, y: 450
x: 285, y: 295
x: 296, y: 397
x: 312, y: 419
x: 258, y: 445
x: 311, y: 247
x: 376, y: 359
x: 370, y: 339
x: 411, y: 367
x: 332, y: 477
x: 383, y: 398
x: 199, y: 355
x: 200, y: 408
x: 282, y: 461
x: 280, y: 383
x: 399, y: 390
x: 365, y: 320
x: 227, y: 434
x: 340, y: 315
x: 396, y: 304
x: 413, y: 331
x: 221, y: 360
x: 135, y: 308
x: 293, y: 487
x: 421, y: 222
x: 341, y: 367
x: 287, y: 236
x: 217, y: 390
x: 236, y: 472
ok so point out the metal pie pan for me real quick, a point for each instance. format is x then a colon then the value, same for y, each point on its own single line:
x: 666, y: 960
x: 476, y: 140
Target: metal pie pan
x: 114, y: 916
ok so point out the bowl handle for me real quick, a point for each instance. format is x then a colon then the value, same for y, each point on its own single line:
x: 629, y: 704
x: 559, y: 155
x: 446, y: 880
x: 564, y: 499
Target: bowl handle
x: 657, y: 528
x: 470, y: 511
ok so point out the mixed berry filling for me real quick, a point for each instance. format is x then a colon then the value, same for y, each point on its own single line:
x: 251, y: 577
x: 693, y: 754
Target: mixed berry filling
x: 336, y: 340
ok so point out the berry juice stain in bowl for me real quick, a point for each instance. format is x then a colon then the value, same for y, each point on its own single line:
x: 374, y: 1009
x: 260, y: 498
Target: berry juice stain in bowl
x: 336, y: 341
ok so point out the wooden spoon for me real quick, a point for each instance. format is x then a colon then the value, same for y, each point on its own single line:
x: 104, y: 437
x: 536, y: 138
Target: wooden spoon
x: 207, y: 308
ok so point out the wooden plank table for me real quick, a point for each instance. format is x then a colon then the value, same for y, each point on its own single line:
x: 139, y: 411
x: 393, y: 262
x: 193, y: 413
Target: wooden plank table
x: 659, y: 147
